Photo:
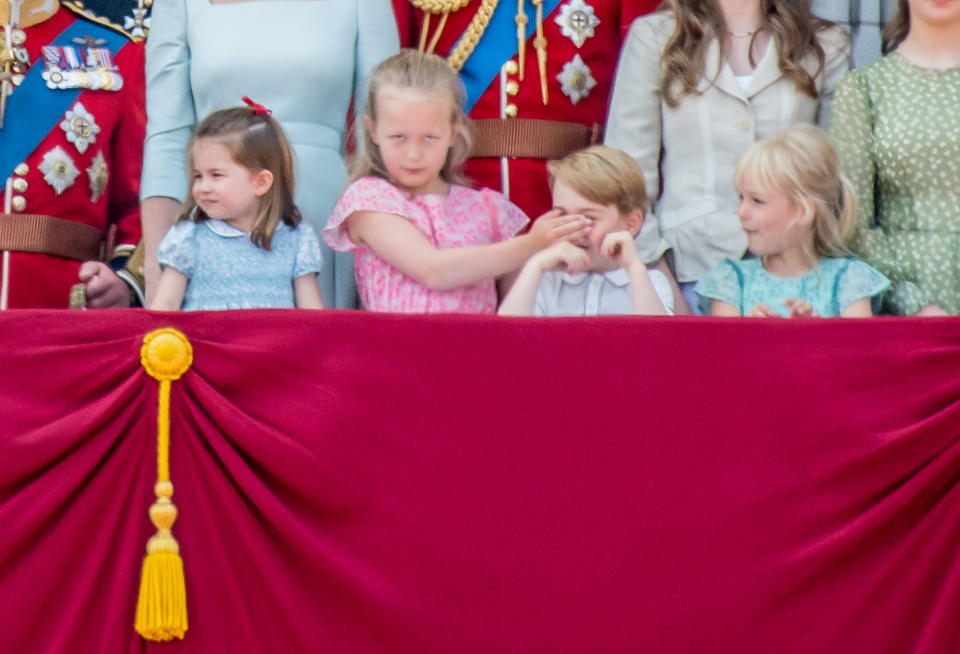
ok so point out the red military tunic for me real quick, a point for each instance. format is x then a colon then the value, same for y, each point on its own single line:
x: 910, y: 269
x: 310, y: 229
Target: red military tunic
x: 98, y: 186
x: 579, y: 79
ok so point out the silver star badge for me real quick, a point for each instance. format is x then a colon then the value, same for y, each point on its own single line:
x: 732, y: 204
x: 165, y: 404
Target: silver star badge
x: 80, y: 127
x: 98, y: 174
x: 575, y: 79
x: 576, y: 21
x: 138, y: 24
x: 58, y: 169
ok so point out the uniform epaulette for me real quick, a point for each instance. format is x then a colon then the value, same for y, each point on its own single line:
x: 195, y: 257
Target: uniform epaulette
x: 128, y: 17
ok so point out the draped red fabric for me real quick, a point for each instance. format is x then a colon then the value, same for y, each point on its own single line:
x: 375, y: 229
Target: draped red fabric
x: 358, y: 483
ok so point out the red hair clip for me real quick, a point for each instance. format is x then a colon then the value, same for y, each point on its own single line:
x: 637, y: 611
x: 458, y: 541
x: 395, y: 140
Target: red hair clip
x: 256, y: 106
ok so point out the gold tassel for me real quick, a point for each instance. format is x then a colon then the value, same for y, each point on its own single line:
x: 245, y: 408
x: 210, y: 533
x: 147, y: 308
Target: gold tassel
x: 540, y: 43
x: 162, y: 604
x: 521, y: 21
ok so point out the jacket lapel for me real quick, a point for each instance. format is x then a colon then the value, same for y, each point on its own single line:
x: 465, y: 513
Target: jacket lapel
x: 717, y: 73
x: 767, y: 71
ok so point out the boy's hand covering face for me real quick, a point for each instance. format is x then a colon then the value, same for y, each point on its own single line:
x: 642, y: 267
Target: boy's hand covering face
x: 620, y: 247
x: 563, y: 256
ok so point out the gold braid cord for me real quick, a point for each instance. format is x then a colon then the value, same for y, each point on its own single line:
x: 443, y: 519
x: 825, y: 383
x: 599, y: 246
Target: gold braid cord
x: 472, y: 36
x: 442, y: 8
x: 439, y: 6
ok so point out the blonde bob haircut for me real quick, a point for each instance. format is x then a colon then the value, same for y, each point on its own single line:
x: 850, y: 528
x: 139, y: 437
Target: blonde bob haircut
x: 411, y: 70
x: 257, y: 142
x: 802, y: 164
x: 603, y: 175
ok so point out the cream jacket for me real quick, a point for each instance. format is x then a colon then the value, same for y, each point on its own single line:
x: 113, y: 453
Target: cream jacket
x: 702, y: 139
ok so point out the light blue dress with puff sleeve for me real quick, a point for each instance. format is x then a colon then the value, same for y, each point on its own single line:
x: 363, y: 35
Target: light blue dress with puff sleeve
x: 830, y: 287
x: 305, y: 60
x: 227, y: 271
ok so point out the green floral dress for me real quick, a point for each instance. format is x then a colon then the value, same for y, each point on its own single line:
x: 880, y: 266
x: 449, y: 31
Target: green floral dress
x: 897, y: 130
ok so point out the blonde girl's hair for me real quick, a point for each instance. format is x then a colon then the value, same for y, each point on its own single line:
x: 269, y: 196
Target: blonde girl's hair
x: 896, y: 30
x: 255, y: 141
x: 802, y: 164
x: 794, y: 26
x: 603, y: 175
x: 424, y: 73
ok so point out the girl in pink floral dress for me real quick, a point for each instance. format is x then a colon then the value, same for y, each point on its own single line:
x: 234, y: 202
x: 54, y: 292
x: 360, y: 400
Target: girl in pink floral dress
x: 423, y: 242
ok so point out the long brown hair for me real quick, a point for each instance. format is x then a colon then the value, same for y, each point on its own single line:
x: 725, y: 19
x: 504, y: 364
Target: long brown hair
x: 257, y: 142
x: 418, y: 71
x: 895, y: 31
x: 793, y: 24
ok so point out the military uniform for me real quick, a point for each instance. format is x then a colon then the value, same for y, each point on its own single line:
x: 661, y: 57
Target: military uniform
x: 568, y: 64
x: 72, y: 194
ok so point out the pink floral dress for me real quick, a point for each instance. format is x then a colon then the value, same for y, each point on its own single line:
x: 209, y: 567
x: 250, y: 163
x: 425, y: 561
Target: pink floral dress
x: 462, y: 217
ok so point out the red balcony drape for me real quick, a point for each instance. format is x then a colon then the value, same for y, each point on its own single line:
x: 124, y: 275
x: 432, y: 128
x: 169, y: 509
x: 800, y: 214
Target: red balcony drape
x: 353, y: 483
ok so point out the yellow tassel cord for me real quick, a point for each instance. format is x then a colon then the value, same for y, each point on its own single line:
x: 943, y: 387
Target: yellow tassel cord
x: 468, y: 40
x: 162, y: 606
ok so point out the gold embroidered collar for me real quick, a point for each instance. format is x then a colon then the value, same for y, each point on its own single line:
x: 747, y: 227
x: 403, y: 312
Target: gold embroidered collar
x: 32, y: 12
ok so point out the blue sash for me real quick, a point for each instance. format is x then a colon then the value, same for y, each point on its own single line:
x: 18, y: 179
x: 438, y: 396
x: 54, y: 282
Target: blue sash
x: 33, y: 110
x: 499, y: 43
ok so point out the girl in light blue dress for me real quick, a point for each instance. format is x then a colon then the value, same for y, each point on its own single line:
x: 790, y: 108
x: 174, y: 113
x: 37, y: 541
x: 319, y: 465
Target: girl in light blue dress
x: 240, y: 241
x: 798, y: 212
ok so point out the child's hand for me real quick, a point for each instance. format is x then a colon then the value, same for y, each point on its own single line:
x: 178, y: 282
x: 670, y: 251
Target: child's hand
x: 762, y: 311
x: 799, y: 308
x: 620, y: 247
x: 562, y: 256
x: 555, y: 226
x: 931, y: 310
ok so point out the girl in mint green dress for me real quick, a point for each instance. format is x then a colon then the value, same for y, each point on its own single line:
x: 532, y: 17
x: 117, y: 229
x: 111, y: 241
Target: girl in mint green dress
x: 798, y: 212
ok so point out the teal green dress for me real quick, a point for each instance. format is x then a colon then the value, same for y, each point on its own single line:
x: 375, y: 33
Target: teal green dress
x: 830, y: 287
x: 897, y: 130
x: 305, y: 60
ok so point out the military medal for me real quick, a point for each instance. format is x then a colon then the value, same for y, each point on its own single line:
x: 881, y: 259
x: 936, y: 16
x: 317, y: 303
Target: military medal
x: 97, y: 172
x: 58, y: 169
x: 577, y: 21
x: 575, y: 79
x: 14, y: 62
x: 91, y: 67
x: 80, y: 127
x: 139, y: 23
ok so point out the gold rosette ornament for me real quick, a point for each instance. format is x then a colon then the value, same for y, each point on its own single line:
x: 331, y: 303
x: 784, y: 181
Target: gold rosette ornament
x: 162, y: 605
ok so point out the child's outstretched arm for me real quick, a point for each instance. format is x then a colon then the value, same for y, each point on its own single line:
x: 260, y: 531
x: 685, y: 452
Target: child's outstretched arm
x: 306, y: 293
x: 858, y: 309
x: 522, y: 297
x: 644, y: 300
x: 401, y: 244
x: 171, y: 289
x: 725, y: 309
